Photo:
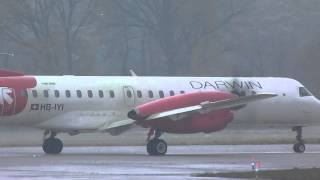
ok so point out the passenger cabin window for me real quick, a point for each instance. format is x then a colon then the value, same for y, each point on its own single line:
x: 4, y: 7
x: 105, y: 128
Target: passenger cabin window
x: 79, y: 94
x: 56, y: 93
x: 150, y: 94
x: 68, y: 94
x: 171, y: 93
x: 139, y: 94
x: 24, y: 93
x: 90, y: 94
x: 161, y: 94
x: 303, y: 92
x: 182, y: 92
x: 129, y: 94
x: 111, y: 93
x: 34, y: 93
x: 100, y: 93
x: 46, y: 93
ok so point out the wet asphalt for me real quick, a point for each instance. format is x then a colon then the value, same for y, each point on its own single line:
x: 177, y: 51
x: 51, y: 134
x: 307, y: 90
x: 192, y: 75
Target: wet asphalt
x: 132, y: 162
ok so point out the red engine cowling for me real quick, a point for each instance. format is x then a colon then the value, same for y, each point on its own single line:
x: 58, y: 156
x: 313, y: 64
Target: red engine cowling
x: 209, y: 122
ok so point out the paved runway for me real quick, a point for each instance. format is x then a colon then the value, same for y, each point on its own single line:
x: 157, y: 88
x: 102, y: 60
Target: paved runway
x: 131, y: 162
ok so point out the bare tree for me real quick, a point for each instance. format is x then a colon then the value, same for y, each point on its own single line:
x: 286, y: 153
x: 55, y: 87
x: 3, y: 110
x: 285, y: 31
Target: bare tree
x: 173, y: 33
x: 73, y: 15
x: 27, y: 23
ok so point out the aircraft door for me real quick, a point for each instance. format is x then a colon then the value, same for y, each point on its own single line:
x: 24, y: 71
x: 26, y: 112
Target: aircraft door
x: 129, y: 96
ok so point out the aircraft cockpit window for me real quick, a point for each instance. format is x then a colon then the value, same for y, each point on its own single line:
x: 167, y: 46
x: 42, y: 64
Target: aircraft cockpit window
x: 45, y: 93
x: 34, y: 93
x: 79, y: 94
x: 90, y: 94
x: 303, y: 92
x: 56, y: 93
x: 182, y: 92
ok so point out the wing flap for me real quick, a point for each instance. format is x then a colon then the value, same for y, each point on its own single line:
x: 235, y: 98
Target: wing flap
x: 230, y: 103
x: 118, y: 124
x: 207, y: 106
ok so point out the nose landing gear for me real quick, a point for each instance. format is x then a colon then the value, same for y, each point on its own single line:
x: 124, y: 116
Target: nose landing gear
x: 299, y: 147
x: 156, y: 146
x: 51, y: 145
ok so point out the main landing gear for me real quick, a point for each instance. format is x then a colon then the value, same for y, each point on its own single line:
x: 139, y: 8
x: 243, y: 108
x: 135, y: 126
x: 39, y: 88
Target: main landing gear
x: 299, y: 147
x: 156, y: 146
x: 51, y: 145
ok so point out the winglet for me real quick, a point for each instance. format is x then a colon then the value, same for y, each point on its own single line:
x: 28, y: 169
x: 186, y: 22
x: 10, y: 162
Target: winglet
x: 132, y: 73
x: 6, y: 73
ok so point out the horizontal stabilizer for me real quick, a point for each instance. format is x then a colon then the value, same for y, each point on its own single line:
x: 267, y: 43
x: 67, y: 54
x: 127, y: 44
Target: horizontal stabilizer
x: 211, y: 106
x: 6, y: 73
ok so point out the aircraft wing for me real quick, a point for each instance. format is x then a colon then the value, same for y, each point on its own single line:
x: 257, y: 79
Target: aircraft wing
x: 207, y: 106
x: 118, y: 127
x: 85, y: 121
x: 118, y: 124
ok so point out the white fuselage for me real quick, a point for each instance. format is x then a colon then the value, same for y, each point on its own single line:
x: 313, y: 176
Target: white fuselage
x: 113, y: 97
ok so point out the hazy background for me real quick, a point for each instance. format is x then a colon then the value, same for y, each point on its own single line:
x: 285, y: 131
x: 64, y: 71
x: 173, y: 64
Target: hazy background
x: 163, y: 37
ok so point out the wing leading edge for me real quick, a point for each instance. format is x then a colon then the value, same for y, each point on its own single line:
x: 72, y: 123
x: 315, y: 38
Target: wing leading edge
x: 207, y: 106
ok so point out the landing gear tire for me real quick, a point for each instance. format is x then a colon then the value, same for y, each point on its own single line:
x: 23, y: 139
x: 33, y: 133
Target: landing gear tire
x: 52, y: 146
x: 299, y: 147
x: 157, y: 147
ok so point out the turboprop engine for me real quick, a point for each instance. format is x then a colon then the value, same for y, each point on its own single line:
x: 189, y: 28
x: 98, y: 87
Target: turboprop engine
x: 185, y: 123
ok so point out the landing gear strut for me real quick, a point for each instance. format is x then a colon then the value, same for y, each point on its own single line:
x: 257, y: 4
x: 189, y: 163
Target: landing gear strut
x: 299, y: 147
x: 156, y: 146
x: 51, y: 145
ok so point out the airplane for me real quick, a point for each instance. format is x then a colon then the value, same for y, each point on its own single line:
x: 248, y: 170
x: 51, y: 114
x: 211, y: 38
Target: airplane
x: 182, y: 105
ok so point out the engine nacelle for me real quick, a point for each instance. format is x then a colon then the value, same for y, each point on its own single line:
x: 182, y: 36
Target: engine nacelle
x: 209, y: 122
